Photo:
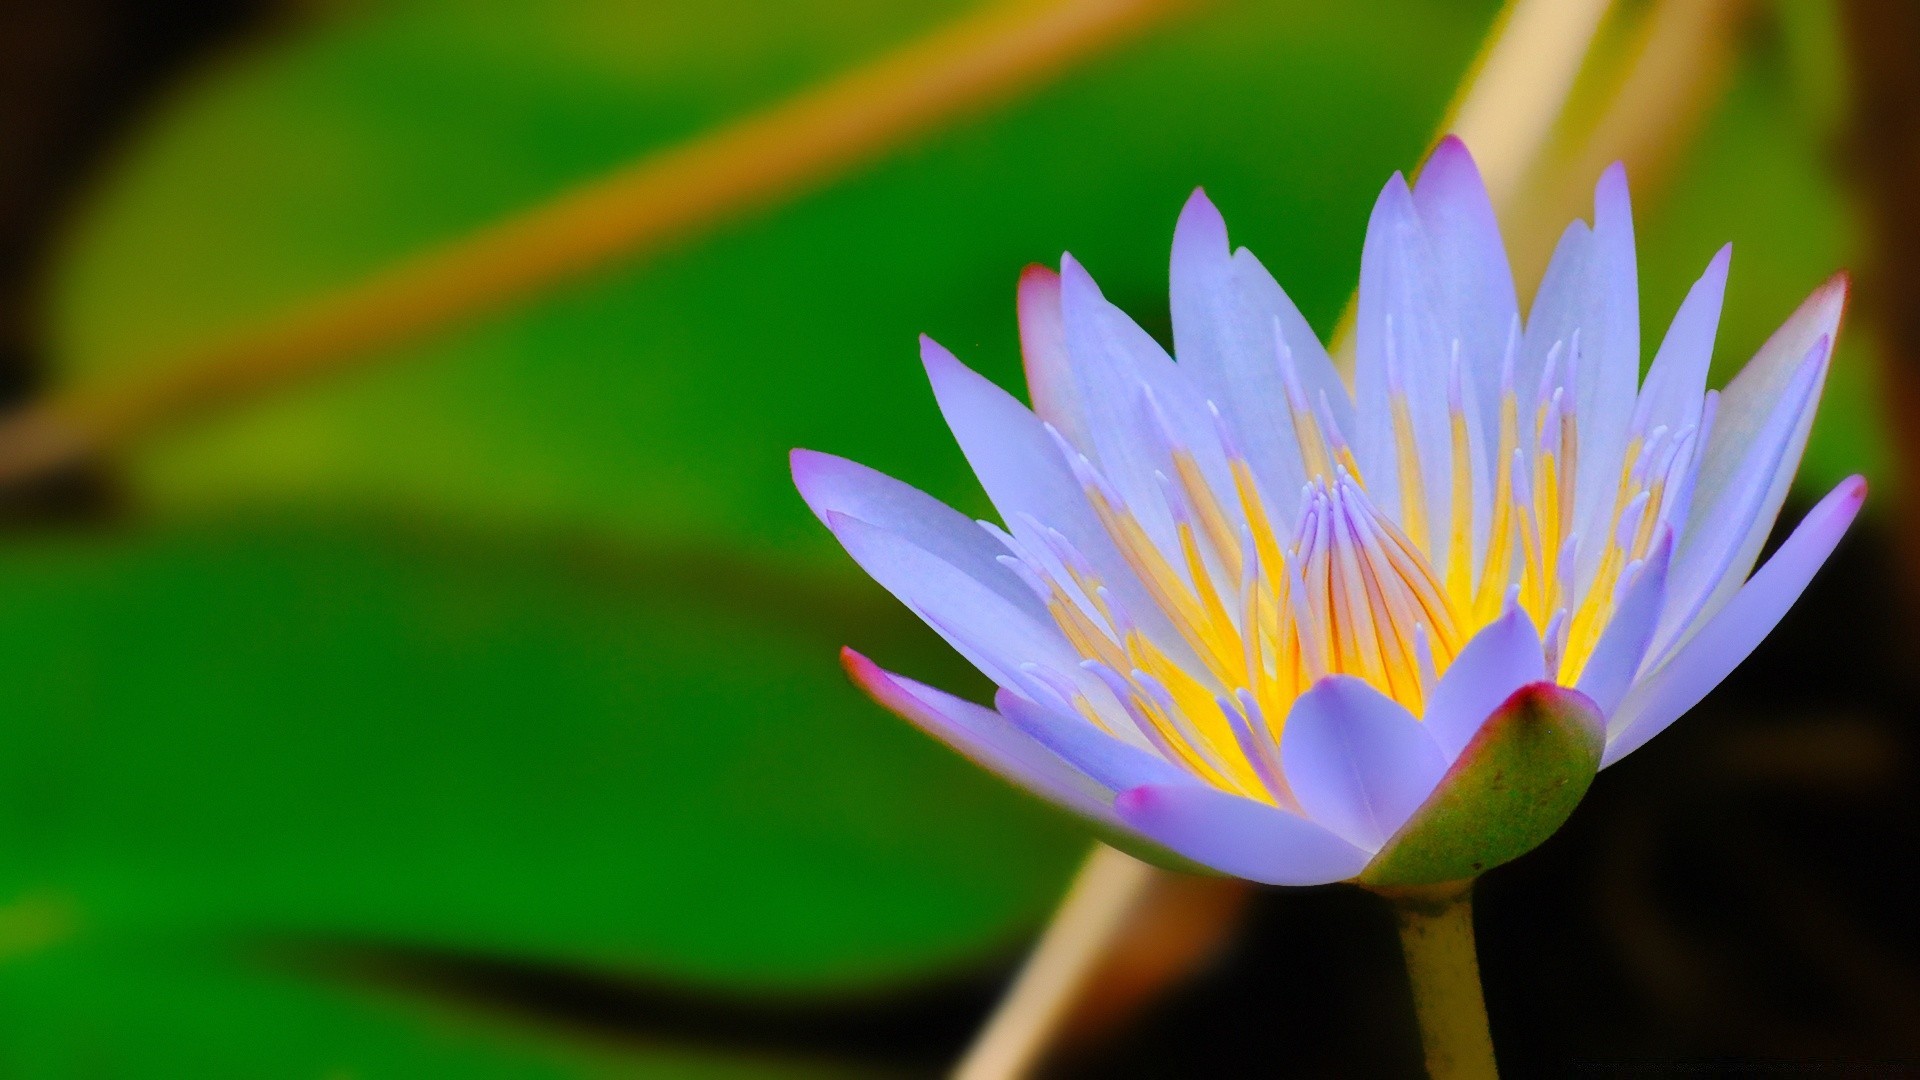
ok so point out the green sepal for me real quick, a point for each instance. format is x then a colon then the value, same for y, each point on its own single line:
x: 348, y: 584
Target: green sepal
x: 1510, y: 789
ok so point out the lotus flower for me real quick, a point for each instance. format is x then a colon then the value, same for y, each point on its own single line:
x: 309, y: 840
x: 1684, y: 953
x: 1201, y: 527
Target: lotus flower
x: 1298, y: 634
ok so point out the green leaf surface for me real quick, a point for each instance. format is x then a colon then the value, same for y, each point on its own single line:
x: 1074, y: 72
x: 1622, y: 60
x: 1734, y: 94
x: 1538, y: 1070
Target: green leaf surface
x: 176, y: 1010
x: 663, y: 397
x: 643, y: 760
x: 1508, y: 791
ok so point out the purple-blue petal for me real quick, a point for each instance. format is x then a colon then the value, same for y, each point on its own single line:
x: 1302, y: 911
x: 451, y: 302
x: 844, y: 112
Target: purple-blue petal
x: 1616, y: 658
x: 1357, y: 761
x: 1238, y: 836
x: 993, y: 634
x: 1226, y: 312
x: 985, y: 737
x: 1474, y: 275
x: 1719, y: 646
x: 834, y: 485
x: 1676, y: 382
x: 1503, y: 657
x: 1113, y: 764
x: 1744, y: 429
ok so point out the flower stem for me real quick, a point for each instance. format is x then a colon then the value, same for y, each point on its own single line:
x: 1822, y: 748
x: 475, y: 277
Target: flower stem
x: 1096, y: 911
x: 1436, y: 935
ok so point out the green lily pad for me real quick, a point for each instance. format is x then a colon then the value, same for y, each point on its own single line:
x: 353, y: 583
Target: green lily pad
x: 116, y: 1009
x: 661, y: 399
x: 619, y: 759
x: 1512, y: 787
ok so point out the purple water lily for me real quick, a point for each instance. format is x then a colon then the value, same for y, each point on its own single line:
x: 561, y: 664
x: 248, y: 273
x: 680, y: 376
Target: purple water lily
x: 1246, y: 614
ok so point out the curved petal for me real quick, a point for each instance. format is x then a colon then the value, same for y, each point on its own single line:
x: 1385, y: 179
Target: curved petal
x: 991, y: 633
x: 1722, y: 546
x: 1739, y: 627
x: 984, y: 737
x: 1609, y: 671
x: 1025, y: 476
x: 1135, y: 397
x: 834, y: 485
x: 1113, y: 764
x: 1224, y: 320
x: 1474, y: 275
x: 1402, y: 362
x: 1239, y: 836
x: 1748, y: 408
x: 1590, y: 292
x: 1500, y: 659
x: 1677, y: 381
x: 1043, y: 348
x: 1357, y: 761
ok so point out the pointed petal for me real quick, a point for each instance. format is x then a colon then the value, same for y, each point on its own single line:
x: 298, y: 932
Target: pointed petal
x: 1022, y: 471
x: 1617, y: 656
x: 1472, y: 259
x: 1223, y: 327
x: 984, y: 737
x: 1739, y: 627
x: 1118, y: 367
x: 1356, y: 760
x: 1500, y: 659
x: 1043, y: 347
x: 1239, y: 836
x: 1720, y: 547
x: 1609, y: 364
x: 1401, y: 337
x: 1748, y: 404
x: 1560, y: 306
x: 1677, y: 381
x: 1226, y: 309
x: 991, y: 633
x: 1113, y: 764
x: 834, y: 485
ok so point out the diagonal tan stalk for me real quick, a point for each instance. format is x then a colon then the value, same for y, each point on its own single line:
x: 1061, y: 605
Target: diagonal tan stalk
x: 1436, y: 937
x: 986, y: 55
x: 1097, y: 910
x: 1507, y: 106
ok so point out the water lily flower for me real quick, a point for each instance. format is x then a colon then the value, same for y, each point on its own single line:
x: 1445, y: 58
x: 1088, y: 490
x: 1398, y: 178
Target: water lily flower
x: 1301, y: 634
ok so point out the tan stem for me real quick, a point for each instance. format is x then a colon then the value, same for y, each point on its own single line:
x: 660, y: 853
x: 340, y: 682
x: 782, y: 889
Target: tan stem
x: 1676, y: 71
x: 1097, y: 908
x: 1436, y: 936
x: 984, y: 56
x: 1508, y: 104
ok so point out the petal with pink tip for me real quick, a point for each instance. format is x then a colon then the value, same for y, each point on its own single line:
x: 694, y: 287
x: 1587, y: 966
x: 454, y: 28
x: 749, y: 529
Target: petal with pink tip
x: 984, y: 737
x: 1748, y: 405
x: 1043, y: 347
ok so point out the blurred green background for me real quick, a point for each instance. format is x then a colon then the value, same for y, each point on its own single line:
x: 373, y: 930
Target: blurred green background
x: 517, y: 645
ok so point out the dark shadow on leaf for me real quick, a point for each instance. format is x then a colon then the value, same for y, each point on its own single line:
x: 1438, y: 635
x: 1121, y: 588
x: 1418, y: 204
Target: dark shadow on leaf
x: 916, y: 1029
